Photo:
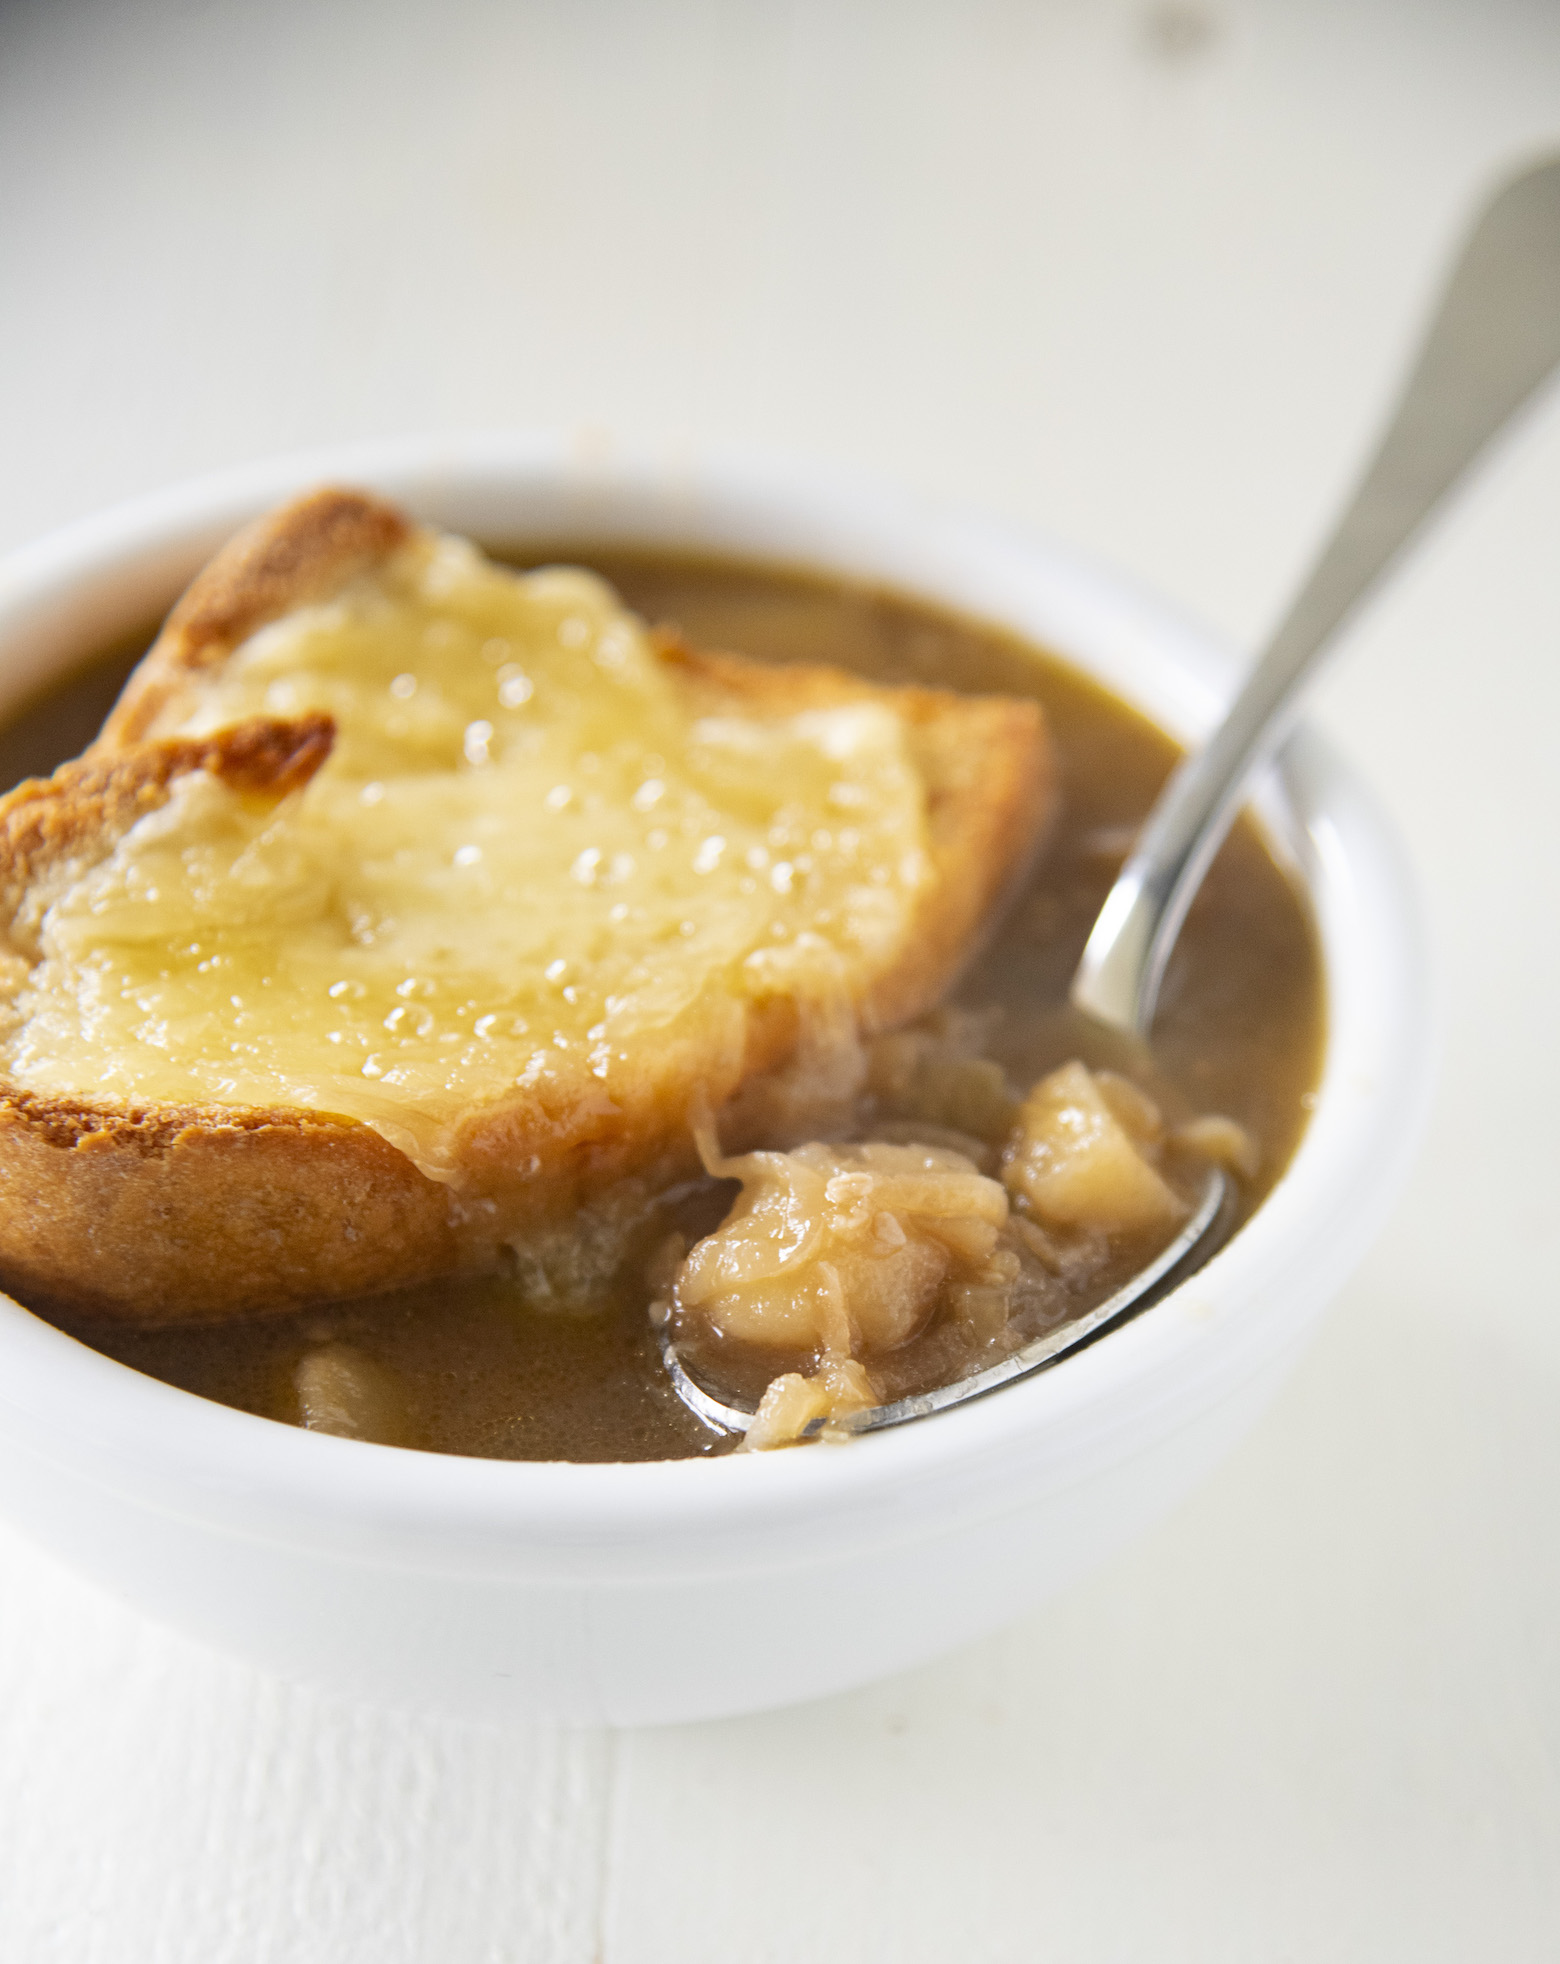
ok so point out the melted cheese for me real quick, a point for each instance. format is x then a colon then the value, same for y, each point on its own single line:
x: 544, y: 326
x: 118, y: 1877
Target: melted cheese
x: 527, y: 852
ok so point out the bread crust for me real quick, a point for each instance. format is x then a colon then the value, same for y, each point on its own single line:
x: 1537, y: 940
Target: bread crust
x: 301, y: 552
x: 193, y: 1213
x: 160, y: 1214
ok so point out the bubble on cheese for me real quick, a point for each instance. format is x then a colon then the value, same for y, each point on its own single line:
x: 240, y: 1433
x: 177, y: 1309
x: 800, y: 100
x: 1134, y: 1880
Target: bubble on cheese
x: 527, y: 850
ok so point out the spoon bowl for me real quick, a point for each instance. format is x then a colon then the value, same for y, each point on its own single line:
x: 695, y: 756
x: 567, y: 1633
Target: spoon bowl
x: 1208, y: 1222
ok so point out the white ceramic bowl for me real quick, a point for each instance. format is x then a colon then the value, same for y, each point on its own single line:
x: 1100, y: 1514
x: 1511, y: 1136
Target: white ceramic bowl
x: 688, y: 1589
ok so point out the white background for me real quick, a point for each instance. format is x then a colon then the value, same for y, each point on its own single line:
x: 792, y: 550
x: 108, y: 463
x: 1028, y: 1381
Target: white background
x: 1141, y: 274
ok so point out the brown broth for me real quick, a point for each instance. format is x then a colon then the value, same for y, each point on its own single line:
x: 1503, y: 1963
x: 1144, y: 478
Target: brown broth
x: 1239, y: 1030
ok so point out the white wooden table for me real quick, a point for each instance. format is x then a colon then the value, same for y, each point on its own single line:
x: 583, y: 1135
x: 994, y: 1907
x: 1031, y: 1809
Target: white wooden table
x: 1140, y: 275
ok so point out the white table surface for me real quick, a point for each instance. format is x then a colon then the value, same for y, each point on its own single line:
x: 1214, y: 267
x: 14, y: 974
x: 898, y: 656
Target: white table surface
x: 1139, y: 274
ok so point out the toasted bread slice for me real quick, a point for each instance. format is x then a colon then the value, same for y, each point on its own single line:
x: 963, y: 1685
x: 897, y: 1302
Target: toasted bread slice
x: 286, y: 1027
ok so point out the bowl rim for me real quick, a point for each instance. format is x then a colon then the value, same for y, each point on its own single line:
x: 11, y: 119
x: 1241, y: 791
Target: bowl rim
x: 69, y: 1406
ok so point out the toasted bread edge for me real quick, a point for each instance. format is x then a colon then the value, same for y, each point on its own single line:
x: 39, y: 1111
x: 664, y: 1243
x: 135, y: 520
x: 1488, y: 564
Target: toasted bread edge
x: 301, y: 552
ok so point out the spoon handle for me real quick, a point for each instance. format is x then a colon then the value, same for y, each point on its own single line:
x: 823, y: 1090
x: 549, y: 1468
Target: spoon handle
x: 1494, y: 338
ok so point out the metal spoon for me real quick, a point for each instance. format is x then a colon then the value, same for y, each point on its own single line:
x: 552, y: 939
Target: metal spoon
x: 1494, y: 338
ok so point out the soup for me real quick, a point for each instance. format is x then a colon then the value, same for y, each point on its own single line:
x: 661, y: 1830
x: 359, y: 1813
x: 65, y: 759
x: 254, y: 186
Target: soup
x: 495, y: 1367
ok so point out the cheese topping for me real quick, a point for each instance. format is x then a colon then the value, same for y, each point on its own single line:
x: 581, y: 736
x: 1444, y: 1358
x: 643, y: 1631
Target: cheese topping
x: 527, y: 846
